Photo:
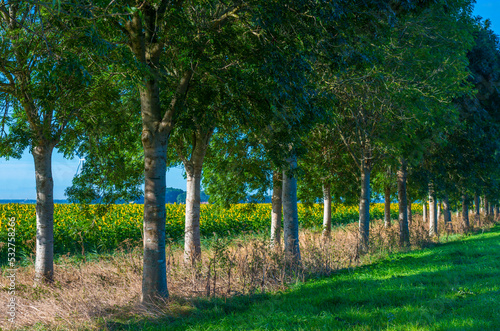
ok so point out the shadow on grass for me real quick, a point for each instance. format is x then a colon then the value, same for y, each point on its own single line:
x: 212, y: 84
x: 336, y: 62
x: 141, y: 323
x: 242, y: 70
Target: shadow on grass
x: 453, y: 286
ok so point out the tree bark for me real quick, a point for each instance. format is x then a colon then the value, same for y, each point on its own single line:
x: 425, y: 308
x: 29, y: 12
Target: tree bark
x: 424, y: 211
x: 438, y: 210
x: 192, y: 240
x: 364, y: 208
x: 290, y: 214
x: 409, y: 212
x: 404, y: 232
x: 44, y: 258
x: 477, y: 215
x: 276, y: 209
x: 154, y: 140
x: 327, y: 211
x: 193, y: 167
x: 497, y: 211
x: 387, y: 206
x: 432, y: 211
x: 486, y: 207
x: 156, y: 127
x: 446, y: 210
x: 465, y: 212
x: 154, y: 280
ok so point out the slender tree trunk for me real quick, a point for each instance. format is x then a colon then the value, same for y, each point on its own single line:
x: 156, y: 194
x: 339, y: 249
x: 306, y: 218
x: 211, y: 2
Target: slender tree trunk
x: 192, y: 241
x: 465, y: 212
x: 477, y: 215
x: 44, y: 259
x: 193, y: 167
x: 492, y: 206
x: 410, y: 214
x: 157, y: 124
x: 409, y: 204
x: 446, y: 210
x: 404, y: 232
x: 438, y: 210
x: 486, y: 207
x: 387, y: 206
x: 327, y: 211
x: 276, y: 209
x: 290, y: 214
x: 154, y: 141
x: 432, y: 211
x: 364, y: 208
x: 424, y: 211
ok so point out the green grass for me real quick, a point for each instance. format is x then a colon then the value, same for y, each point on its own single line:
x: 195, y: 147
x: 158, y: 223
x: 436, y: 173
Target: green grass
x: 452, y: 286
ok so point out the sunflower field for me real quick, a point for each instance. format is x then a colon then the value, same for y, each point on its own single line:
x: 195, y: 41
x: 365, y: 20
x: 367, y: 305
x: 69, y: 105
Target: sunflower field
x: 98, y: 228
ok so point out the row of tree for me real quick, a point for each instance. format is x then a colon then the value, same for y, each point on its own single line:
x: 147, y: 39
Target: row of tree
x: 353, y: 98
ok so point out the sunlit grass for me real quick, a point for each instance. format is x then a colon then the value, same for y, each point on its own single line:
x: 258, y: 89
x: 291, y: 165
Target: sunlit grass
x: 454, y: 286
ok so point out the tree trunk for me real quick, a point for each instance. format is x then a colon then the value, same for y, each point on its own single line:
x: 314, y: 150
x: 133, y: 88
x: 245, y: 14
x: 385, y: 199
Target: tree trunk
x: 446, y: 210
x: 290, y: 214
x: 193, y: 167
x: 276, y: 209
x: 404, y: 232
x: 486, y: 207
x: 408, y: 204
x: 327, y: 211
x: 491, y: 208
x: 432, y: 211
x: 424, y: 211
x: 157, y: 124
x: 44, y: 258
x: 387, y: 206
x: 154, y: 141
x: 497, y: 211
x: 364, y: 208
x: 465, y: 212
x: 438, y: 210
x: 192, y: 241
x: 477, y: 215
x: 409, y: 212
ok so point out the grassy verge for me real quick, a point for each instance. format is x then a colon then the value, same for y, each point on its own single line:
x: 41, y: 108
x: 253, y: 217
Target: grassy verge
x: 452, y: 286
x: 242, y: 284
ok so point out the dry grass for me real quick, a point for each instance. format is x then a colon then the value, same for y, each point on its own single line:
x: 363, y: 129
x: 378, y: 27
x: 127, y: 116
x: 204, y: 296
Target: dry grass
x: 87, y: 295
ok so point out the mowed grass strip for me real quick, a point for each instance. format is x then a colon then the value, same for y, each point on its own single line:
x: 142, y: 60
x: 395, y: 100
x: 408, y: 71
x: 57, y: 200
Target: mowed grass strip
x: 452, y: 286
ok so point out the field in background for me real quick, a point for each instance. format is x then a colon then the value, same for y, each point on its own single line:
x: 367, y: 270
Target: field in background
x: 101, y: 228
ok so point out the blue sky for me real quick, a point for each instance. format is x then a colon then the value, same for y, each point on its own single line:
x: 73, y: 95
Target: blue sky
x: 490, y: 10
x: 17, y: 177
